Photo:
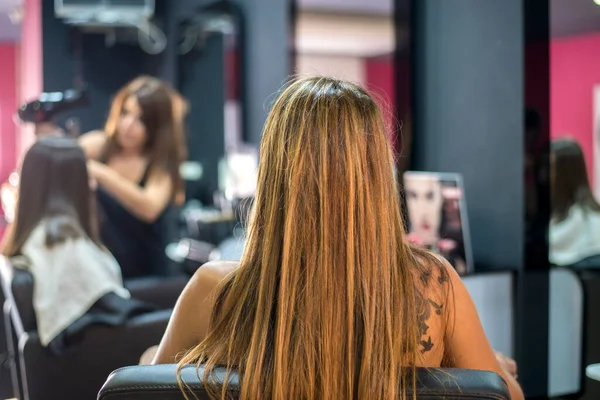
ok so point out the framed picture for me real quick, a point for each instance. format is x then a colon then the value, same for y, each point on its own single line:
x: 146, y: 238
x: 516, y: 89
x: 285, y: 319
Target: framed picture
x: 437, y: 216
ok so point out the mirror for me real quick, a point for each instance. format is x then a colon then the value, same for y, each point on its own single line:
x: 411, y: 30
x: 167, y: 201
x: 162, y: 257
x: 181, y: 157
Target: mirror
x: 210, y: 75
x: 573, y: 127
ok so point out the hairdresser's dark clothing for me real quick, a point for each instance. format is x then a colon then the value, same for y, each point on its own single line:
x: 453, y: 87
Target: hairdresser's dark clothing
x: 138, y: 246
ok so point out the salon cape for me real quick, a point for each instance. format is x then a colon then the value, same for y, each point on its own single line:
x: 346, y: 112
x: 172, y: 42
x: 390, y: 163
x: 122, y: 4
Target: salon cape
x: 69, y: 278
x: 576, y: 237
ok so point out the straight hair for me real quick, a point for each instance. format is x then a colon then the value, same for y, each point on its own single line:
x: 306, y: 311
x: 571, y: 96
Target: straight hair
x: 163, y: 113
x: 325, y: 302
x: 54, y: 189
x: 570, y: 182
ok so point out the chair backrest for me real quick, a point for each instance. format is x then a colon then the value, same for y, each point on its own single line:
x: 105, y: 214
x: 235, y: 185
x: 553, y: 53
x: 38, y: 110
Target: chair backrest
x: 565, y: 340
x: 7, y: 357
x: 22, y: 291
x: 159, y: 291
x: 591, y: 288
x: 159, y: 382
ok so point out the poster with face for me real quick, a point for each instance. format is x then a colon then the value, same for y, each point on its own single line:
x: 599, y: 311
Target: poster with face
x: 437, y: 216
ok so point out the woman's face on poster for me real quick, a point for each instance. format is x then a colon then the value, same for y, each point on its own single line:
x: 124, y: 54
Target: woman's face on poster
x: 424, y: 201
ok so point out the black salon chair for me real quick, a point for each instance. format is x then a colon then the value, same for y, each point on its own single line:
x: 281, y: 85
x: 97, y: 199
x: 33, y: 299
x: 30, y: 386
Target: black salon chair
x: 39, y: 374
x: 589, y: 263
x: 591, y: 287
x: 159, y: 382
x: 6, y: 386
x: 162, y: 292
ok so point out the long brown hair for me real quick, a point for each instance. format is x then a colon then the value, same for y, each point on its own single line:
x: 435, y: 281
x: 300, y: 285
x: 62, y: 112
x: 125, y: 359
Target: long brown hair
x: 324, y: 303
x: 570, y: 183
x: 54, y: 189
x: 163, y: 112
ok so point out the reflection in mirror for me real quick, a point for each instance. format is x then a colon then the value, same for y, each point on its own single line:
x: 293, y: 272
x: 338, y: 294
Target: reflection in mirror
x: 222, y: 167
x: 222, y: 19
x: 575, y: 151
x: 211, y: 62
x: 574, y: 228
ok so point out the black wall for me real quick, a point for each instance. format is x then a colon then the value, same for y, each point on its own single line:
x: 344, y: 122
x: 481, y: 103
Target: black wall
x: 268, y: 65
x: 206, y: 120
x: 468, y: 105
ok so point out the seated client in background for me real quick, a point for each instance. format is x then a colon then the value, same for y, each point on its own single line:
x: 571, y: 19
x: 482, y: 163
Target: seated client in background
x: 329, y: 300
x: 135, y: 161
x: 575, y: 221
x: 55, y: 239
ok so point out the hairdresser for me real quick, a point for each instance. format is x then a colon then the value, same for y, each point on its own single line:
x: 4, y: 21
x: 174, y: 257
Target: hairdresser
x: 135, y: 163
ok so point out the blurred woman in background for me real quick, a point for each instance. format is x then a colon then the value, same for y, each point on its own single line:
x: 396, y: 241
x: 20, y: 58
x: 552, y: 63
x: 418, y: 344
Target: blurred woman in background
x: 575, y: 221
x: 136, y: 160
x: 55, y: 238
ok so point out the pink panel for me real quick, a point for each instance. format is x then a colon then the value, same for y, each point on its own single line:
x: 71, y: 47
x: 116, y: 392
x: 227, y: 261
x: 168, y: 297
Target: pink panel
x: 574, y: 70
x: 30, y: 63
x: 8, y: 103
x: 380, y: 80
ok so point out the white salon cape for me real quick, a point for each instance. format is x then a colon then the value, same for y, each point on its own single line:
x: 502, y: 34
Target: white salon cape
x: 69, y: 278
x: 576, y: 237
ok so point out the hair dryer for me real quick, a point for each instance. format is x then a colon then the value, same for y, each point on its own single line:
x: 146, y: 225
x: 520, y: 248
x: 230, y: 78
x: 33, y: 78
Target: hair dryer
x: 50, y: 104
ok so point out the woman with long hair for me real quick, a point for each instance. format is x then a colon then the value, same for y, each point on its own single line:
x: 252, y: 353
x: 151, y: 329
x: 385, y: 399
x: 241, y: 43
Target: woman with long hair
x: 135, y: 161
x: 329, y: 300
x: 575, y: 220
x: 55, y: 238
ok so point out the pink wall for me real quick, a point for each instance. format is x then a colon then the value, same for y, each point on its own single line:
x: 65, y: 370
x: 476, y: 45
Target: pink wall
x: 20, y: 80
x: 380, y: 80
x: 574, y: 70
x: 8, y: 104
x: 30, y: 62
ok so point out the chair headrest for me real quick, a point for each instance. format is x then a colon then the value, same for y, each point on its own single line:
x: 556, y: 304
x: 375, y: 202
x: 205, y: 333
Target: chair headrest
x: 159, y: 382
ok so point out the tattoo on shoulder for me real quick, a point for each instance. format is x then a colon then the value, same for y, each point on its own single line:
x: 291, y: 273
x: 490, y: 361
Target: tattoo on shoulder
x: 436, y: 307
x: 426, y: 345
x: 426, y: 276
x: 424, y: 311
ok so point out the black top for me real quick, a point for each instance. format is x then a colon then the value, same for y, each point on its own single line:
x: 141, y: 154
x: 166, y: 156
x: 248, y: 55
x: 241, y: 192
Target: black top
x: 138, y: 246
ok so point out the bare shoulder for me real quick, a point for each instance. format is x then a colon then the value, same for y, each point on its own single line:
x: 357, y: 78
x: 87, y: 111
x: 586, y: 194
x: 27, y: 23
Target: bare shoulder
x: 434, y: 275
x: 190, y: 322
x: 92, y: 143
x: 212, y: 273
x: 209, y: 275
x: 199, y: 296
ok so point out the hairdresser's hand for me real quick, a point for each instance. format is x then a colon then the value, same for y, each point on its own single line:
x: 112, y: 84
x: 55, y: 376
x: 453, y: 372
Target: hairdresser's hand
x: 507, y: 364
x: 96, y: 171
x: 93, y: 184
